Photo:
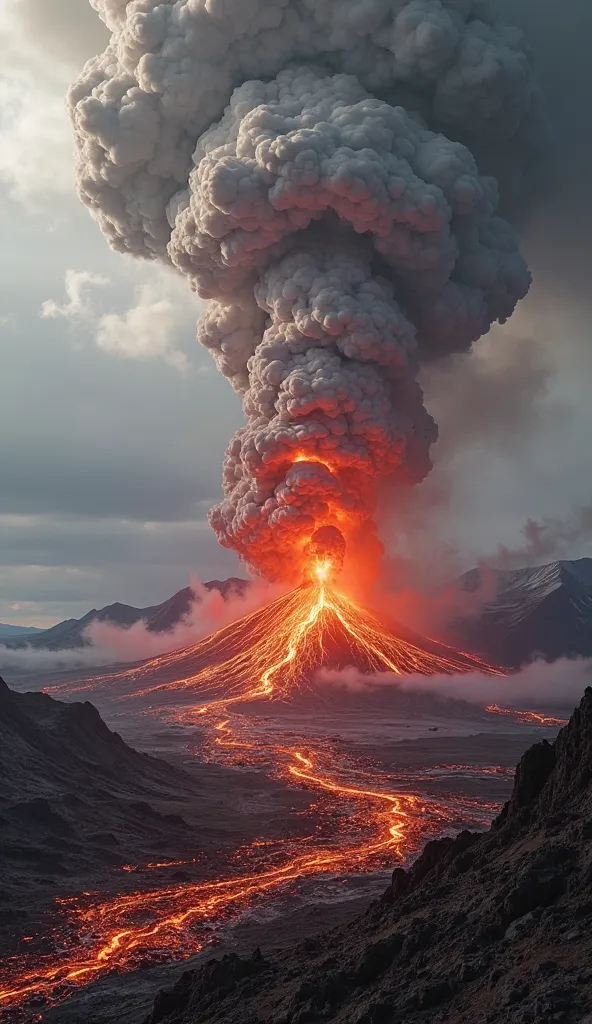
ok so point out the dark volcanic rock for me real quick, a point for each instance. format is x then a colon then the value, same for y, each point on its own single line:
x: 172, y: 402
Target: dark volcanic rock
x: 207, y: 986
x: 53, y: 839
x: 532, y: 773
x: 483, y: 929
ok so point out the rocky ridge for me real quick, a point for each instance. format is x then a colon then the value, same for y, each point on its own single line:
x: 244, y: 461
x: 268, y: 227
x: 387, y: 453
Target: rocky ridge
x: 492, y: 928
x: 161, y: 618
x: 537, y: 612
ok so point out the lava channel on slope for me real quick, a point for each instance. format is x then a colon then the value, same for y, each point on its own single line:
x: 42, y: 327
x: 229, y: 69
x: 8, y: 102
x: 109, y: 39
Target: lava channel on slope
x: 275, y: 651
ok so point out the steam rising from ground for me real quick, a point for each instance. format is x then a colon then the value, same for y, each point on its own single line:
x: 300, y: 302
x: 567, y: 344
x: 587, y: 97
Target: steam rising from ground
x: 540, y: 684
x: 330, y: 210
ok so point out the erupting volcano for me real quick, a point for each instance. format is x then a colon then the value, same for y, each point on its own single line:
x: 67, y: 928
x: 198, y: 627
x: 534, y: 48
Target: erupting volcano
x: 306, y: 165
x: 275, y: 652
x: 327, y: 174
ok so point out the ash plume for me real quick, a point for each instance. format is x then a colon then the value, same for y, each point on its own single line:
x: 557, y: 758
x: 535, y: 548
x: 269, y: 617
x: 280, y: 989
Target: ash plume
x: 310, y: 166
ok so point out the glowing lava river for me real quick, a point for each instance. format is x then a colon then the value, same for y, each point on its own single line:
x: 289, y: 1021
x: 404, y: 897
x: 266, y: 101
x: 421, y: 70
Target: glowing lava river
x: 363, y: 819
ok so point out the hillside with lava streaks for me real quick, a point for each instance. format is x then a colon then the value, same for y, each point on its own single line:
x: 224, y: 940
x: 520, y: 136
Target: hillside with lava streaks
x: 277, y: 649
x: 483, y: 928
x: 80, y: 808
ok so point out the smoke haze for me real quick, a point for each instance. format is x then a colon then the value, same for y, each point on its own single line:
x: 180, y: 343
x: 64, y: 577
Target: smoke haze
x: 540, y: 684
x: 209, y: 612
x: 109, y: 644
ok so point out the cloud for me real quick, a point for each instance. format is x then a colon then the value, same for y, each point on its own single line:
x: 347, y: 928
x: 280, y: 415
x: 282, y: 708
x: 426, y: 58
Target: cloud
x: 109, y: 644
x: 539, y: 684
x: 79, y: 304
x: 25, y: 660
x: 33, y: 122
x: 146, y: 331
x: 42, y: 43
x: 69, y: 31
x: 208, y: 613
x: 546, y: 540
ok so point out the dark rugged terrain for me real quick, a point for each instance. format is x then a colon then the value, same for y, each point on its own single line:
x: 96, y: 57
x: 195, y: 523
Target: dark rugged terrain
x: 543, y: 612
x: 158, y: 618
x: 493, y: 927
x: 77, y: 804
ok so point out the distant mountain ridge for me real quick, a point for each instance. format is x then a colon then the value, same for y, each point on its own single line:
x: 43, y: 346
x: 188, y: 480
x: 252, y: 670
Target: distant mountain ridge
x: 535, y: 612
x: 159, y: 618
x: 543, y: 612
x: 8, y: 630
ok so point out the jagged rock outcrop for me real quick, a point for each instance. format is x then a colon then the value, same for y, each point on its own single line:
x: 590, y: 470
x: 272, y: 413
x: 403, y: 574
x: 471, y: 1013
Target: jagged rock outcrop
x: 483, y: 929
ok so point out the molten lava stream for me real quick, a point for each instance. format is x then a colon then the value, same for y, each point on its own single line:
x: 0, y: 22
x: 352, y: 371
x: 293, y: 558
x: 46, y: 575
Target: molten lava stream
x: 271, y: 652
x: 121, y: 932
x: 270, y: 655
x: 525, y: 717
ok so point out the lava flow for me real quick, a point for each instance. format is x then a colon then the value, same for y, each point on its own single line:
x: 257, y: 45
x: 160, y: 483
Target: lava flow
x: 363, y: 827
x: 100, y: 934
x: 273, y: 652
x: 527, y: 717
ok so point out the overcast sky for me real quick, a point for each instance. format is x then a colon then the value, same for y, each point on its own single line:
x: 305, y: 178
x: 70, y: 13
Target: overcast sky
x: 114, y: 423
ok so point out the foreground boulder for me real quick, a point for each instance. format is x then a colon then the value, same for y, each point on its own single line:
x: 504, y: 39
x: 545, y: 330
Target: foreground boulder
x: 493, y: 928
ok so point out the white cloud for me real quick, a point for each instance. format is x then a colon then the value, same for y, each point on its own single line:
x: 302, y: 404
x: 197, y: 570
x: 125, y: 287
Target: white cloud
x: 36, y: 162
x: 42, y: 45
x: 79, y: 304
x: 146, y: 331
x: 540, y: 684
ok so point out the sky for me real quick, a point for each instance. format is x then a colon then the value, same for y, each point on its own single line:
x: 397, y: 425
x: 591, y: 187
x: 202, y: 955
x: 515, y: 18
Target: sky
x: 114, y: 422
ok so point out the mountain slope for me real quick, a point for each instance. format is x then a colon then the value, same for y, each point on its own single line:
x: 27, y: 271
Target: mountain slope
x: 78, y: 806
x: 483, y: 929
x: 75, y: 802
x: 535, y: 612
x: 158, y: 618
x: 17, y: 631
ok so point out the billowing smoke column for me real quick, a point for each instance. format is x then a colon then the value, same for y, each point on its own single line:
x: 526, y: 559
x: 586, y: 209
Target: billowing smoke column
x: 303, y: 163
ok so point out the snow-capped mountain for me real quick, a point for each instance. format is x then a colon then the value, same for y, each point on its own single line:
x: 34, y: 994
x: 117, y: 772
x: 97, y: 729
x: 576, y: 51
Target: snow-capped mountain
x: 544, y: 612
